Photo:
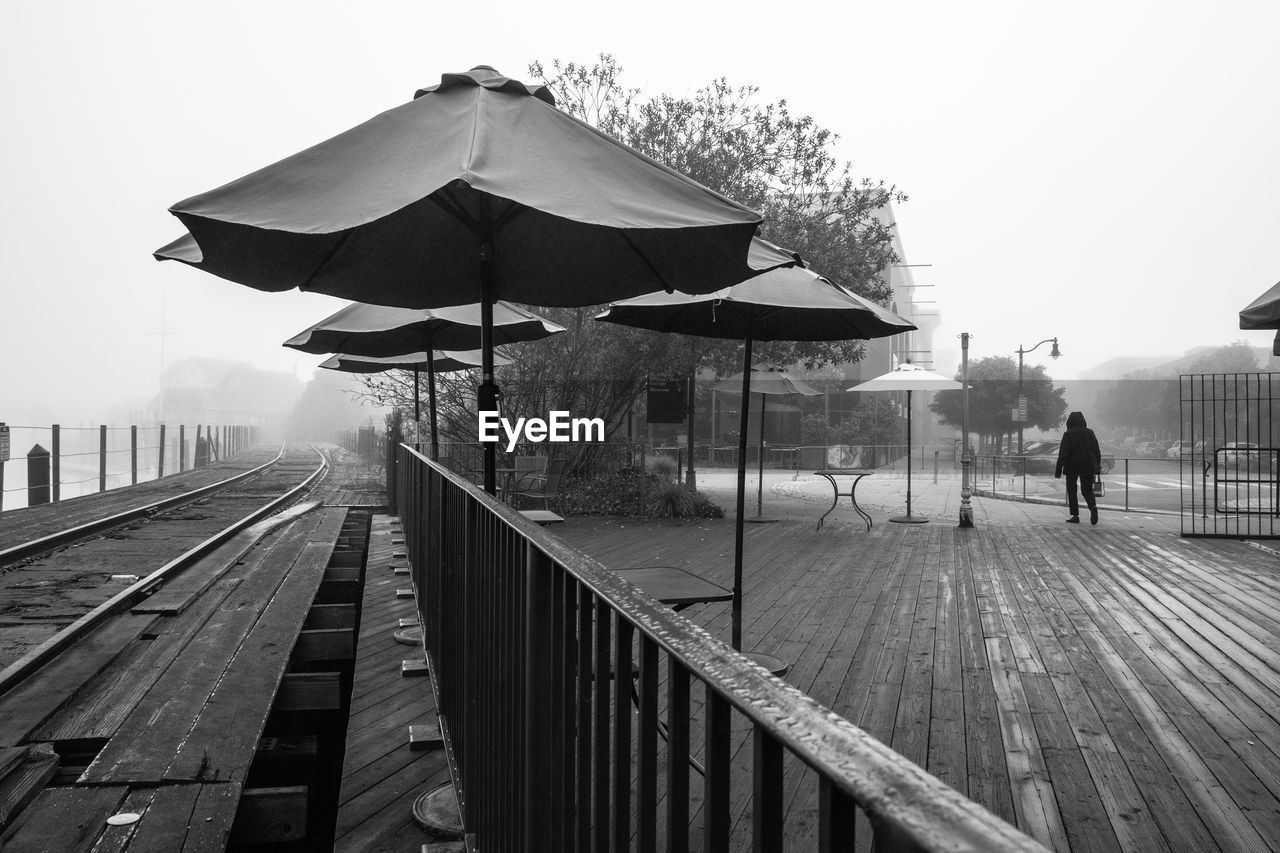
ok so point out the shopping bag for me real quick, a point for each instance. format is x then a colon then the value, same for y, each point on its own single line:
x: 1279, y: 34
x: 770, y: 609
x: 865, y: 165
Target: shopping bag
x: 1098, y: 489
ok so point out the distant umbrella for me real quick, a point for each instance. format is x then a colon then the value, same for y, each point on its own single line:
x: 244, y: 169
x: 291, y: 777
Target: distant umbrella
x: 784, y: 304
x: 479, y: 189
x: 764, y: 381
x: 428, y: 361
x: 907, y: 377
x: 379, y: 330
x: 440, y: 361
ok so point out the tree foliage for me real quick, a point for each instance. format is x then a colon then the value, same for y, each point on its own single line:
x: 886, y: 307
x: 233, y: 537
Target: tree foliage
x: 993, y: 394
x: 759, y: 154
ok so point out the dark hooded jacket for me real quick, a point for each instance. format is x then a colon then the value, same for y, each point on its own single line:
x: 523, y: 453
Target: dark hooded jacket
x: 1079, y: 453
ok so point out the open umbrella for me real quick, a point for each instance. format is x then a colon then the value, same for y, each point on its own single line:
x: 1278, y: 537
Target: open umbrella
x: 380, y: 330
x: 907, y: 377
x: 479, y: 189
x: 783, y: 304
x: 764, y: 381
x: 430, y: 361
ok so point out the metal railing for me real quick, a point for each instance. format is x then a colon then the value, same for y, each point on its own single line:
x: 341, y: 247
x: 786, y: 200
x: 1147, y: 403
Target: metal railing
x: 532, y: 647
x: 1129, y: 483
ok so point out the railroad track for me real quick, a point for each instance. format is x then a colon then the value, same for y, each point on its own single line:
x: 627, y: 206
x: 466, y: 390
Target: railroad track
x: 56, y: 586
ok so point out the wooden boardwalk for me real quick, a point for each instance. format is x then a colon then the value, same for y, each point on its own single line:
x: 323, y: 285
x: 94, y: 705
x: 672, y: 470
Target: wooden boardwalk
x: 1109, y: 688
x: 381, y: 775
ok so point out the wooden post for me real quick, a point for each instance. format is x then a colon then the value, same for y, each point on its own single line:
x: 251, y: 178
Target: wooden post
x: 200, y: 457
x: 133, y: 454
x: 182, y: 448
x: 160, y: 464
x: 102, y: 457
x: 56, y: 460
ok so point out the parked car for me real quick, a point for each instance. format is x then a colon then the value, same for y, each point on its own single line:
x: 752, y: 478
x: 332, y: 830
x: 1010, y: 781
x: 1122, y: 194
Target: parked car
x: 1177, y: 449
x: 1242, y: 454
x: 1041, y: 457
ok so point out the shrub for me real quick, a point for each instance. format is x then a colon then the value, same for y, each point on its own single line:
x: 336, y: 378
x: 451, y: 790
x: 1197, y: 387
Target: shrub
x: 671, y: 500
x: 677, y: 500
x: 663, y: 466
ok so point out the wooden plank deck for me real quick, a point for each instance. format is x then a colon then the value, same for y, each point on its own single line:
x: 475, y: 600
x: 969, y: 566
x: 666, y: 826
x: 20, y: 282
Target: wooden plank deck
x: 381, y: 775
x: 178, y: 712
x: 1109, y: 688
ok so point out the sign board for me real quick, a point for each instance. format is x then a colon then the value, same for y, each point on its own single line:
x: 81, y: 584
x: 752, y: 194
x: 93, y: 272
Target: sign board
x: 1022, y: 408
x: 4, y: 443
x: 665, y: 401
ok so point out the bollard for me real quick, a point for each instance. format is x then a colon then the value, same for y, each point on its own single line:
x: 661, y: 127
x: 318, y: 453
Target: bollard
x: 37, y: 476
x: 935, y: 467
x: 56, y: 476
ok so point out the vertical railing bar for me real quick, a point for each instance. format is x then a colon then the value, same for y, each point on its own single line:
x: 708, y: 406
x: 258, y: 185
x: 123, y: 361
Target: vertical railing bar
x: 603, y: 684
x: 677, y: 754
x: 555, y: 733
x: 766, y: 791
x: 539, y: 695
x: 568, y: 709
x: 623, y: 633
x: 647, y: 802
x: 836, y: 818
x: 715, y: 808
x: 585, y: 685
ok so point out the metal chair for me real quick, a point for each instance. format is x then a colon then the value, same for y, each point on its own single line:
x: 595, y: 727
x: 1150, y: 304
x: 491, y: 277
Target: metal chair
x: 541, y: 485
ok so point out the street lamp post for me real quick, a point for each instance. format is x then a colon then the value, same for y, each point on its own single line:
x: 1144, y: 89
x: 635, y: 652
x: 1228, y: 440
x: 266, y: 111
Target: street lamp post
x: 1054, y: 353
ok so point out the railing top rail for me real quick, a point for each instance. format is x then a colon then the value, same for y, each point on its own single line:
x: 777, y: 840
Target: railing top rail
x: 889, y: 787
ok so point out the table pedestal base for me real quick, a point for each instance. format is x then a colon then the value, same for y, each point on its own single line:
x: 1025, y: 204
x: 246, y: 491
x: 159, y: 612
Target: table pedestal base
x: 910, y: 519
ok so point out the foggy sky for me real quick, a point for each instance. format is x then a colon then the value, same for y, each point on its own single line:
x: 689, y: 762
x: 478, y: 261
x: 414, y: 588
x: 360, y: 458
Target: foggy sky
x: 1102, y: 172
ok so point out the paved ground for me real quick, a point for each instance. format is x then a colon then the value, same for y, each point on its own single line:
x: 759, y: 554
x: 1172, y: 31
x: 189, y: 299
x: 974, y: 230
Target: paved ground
x: 798, y: 495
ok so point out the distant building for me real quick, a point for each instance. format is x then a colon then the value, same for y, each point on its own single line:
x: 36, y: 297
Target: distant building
x: 216, y: 391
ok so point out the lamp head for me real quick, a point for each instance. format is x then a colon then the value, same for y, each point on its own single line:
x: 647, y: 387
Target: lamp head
x: 1055, y: 352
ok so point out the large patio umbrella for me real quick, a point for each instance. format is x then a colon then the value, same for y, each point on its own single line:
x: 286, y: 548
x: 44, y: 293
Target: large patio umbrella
x: 783, y: 304
x: 380, y: 330
x: 907, y: 377
x: 430, y: 361
x: 479, y: 189
x: 765, y: 381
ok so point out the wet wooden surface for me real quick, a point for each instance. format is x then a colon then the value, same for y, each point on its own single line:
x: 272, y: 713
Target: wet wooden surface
x: 381, y: 774
x: 1108, y: 688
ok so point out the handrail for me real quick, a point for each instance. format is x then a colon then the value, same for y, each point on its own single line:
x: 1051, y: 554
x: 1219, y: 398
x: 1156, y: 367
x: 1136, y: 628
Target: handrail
x: 516, y: 624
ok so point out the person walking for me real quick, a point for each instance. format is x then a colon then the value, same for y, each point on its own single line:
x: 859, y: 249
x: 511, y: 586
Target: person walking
x: 1080, y: 458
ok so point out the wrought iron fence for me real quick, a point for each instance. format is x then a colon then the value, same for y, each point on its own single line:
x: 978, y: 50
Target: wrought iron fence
x: 1231, y: 474
x: 533, y: 648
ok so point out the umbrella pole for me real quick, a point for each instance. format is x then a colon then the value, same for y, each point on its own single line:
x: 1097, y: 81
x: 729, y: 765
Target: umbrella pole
x: 487, y: 393
x: 742, y: 492
x: 760, y: 460
x: 431, y: 400
x: 909, y: 518
x: 417, y: 413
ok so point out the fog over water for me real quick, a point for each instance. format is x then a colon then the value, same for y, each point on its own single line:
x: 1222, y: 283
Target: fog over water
x: 1104, y: 174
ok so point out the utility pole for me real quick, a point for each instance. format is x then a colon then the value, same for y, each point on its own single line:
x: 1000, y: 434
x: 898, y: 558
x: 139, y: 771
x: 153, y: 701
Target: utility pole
x: 966, y: 460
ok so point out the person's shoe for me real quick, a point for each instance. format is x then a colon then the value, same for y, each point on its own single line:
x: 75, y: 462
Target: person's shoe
x: 1093, y: 515
x: 1075, y: 519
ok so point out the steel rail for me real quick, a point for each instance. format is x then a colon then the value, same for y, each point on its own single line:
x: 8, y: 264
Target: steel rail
x: 29, y: 663
x: 71, y: 534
